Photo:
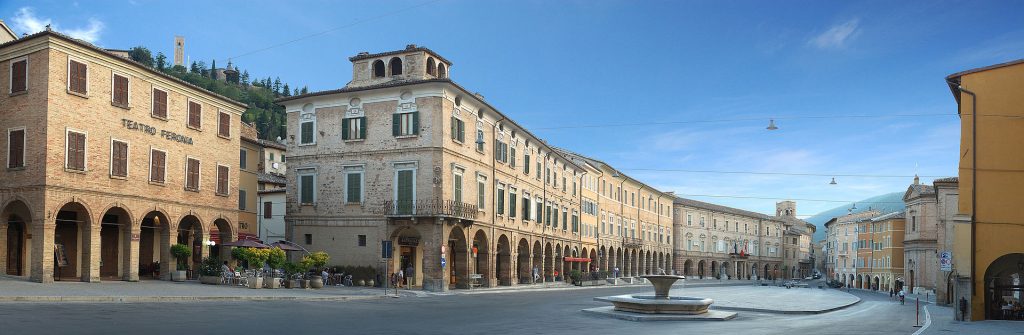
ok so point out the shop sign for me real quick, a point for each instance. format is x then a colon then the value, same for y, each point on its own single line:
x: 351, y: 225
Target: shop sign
x: 145, y: 128
x: 409, y: 240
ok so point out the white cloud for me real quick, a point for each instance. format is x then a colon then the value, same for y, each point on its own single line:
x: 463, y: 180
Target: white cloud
x: 26, y: 21
x: 837, y: 36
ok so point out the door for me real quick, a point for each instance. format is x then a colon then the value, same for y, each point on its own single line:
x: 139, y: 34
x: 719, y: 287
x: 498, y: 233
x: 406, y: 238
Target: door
x: 108, y: 250
x: 15, y: 247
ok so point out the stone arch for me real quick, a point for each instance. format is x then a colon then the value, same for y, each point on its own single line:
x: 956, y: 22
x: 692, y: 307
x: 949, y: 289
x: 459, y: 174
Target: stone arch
x: 73, y: 235
x: 459, y: 267
x: 395, y: 66
x: 17, y: 223
x: 116, y: 229
x: 688, y: 267
x: 190, y: 232
x: 441, y: 71
x: 594, y: 257
x: 549, y: 262
x: 431, y: 66
x: 379, y: 70
x: 222, y: 231
x: 715, y: 269
x: 155, y: 238
x: 566, y: 266
x: 524, y: 270
x: 603, y: 258
x: 538, y: 262
x: 1003, y: 277
x: 503, y: 261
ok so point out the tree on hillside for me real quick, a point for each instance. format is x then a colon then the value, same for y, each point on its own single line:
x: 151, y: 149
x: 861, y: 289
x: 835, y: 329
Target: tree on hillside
x: 201, y: 66
x: 161, y: 61
x: 213, y: 69
x: 194, y: 68
x: 277, y: 85
x: 285, y: 91
x: 296, y: 92
x: 142, y: 55
x: 245, y: 76
x: 305, y: 90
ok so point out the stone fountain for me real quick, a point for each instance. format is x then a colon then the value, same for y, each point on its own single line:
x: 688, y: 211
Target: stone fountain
x: 661, y: 306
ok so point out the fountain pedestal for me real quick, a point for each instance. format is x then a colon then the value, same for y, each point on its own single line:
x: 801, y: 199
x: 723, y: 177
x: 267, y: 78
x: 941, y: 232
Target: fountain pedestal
x: 661, y: 306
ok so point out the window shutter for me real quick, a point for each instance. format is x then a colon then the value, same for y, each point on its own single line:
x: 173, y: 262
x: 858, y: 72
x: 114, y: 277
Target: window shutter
x: 362, y: 128
x: 225, y: 124
x: 455, y: 128
x: 307, y: 132
x: 396, y: 124
x: 353, y: 188
x: 159, y: 103
x: 19, y: 73
x: 17, y: 154
x: 345, y: 128
x: 462, y: 131
x: 82, y: 75
x: 416, y: 123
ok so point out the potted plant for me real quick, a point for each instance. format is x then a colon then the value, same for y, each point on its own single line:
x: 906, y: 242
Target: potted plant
x: 275, y: 259
x: 316, y: 261
x: 575, y: 277
x: 209, y: 271
x: 256, y: 258
x: 181, y: 253
x: 293, y: 272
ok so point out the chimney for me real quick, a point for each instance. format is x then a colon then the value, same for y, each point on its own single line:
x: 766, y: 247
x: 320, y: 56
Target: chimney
x: 410, y: 46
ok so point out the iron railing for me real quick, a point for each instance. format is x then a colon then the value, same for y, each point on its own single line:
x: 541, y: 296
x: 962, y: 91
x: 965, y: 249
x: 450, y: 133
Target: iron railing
x: 429, y: 207
x: 632, y: 242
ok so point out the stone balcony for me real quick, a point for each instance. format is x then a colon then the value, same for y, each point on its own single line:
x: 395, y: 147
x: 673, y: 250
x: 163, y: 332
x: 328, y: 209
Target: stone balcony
x: 429, y: 208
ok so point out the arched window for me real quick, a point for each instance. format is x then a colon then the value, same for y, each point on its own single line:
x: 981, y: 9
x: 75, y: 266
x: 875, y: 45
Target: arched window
x: 378, y: 69
x: 441, y: 72
x: 431, y: 67
x: 396, y: 66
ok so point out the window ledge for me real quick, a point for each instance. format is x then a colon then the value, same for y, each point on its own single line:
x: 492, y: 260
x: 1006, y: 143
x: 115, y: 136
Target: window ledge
x: 306, y: 144
x: 18, y: 93
x: 161, y: 118
x: 194, y: 128
x: 224, y: 137
x: 226, y: 195
x: 407, y: 136
x: 157, y: 183
x: 20, y: 168
x: 120, y: 105
x: 119, y: 177
x: 74, y: 171
x: 355, y: 140
x: 78, y: 94
x: 192, y: 189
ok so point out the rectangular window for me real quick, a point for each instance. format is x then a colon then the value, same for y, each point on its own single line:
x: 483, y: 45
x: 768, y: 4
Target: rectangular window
x: 479, y: 139
x: 512, y: 203
x: 405, y: 124
x: 224, y: 127
x: 538, y: 214
x: 241, y: 199
x: 458, y: 130
x: 526, y: 164
x: 307, y: 186
x: 501, y: 201
x: 362, y: 240
x: 119, y: 91
x: 242, y: 157
x: 353, y: 128
x: 406, y: 196
x: 512, y: 158
x: 268, y: 210
x: 222, y: 184
x: 16, y: 148
x: 78, y: 74
x: 19, y: 76
x: 306, y: 130
x: 195, y: 115
x: 157, y: 167
x: 118, y: 158
x: 457, y: 186
x: 563, y: 184
x: 76, y: 151
x: 565, y: 219
x: 354, y: 187
x: 309, y: 238
x: 526, y: 206
x: 480, y: 194
x: 159, y: 104
x: 192, y: 174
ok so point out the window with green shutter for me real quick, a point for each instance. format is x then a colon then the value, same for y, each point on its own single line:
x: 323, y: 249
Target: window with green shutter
x: 526, y: 164
x: 405, y: 196
x: 353, y: 128
x: 458, y: 130
x: 565, y: 220
x: 457, y: 187
x: 306, y: 132
x: 501, y: 201
x: 405, y: 124
x: 512, y: 203
x: 354, y: 187
x: 480, y: 198
x: 307, y: 188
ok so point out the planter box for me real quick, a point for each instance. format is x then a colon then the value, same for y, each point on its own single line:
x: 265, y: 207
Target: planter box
x: 256, y: 282
x: 209, y: 280
x: 303, y: 283
x: 294, y: 283
x: 179, y: 276
x: 316, y: 282
x: 593, y: 282
x: 273, y: 283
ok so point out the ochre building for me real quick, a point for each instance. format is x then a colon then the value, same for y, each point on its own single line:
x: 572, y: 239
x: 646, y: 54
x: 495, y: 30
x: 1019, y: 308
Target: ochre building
x: 107, y: 163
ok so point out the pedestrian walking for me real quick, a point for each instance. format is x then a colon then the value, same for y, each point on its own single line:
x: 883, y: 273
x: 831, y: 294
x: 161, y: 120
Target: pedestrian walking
x: 903, y: 297
x: 408, y: 277
x: 536, y: 274
x: 615, y: 272
x: 401, y: 278
x: 891, y: 294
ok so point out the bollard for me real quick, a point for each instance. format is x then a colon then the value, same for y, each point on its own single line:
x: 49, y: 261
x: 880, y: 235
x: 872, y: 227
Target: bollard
x: 917, y: 321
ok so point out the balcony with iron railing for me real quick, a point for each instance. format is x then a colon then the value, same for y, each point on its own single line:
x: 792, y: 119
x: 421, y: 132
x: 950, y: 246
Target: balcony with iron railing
x: 632, y: 242
x: 429, y: 208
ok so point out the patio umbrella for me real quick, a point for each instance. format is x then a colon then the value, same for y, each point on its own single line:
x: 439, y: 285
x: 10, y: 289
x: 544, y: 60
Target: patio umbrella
x: 247, y: 244
x: 285, y: 246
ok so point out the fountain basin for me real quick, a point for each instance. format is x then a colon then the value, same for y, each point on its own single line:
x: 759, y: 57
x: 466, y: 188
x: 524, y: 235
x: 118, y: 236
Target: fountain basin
x: 648, y: 304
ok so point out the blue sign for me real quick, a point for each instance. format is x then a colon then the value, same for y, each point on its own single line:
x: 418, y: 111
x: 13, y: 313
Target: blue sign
x: 385, y: 249
x: 443, y: 262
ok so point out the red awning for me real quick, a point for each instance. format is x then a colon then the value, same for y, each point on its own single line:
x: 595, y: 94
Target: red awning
x: 577, y: 259
x: 214, y: 236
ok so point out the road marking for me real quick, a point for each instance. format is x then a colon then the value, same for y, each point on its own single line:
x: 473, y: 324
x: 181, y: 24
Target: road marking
x: 927, y: 322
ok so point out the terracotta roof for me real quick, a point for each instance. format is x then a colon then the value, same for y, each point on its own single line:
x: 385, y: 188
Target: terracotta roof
x: 127, y: 60
x: 272, y: 144
x: 408, y: 48
x: 273, y: 190
x: 271, y: 178
x: 947, y: 180
x: 893, y: 215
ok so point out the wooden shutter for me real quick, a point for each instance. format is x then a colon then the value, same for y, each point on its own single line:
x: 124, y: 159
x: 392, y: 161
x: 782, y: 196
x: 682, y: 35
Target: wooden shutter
x: 396, y: 124
x: 119, y: 159
x: 455, y: 128
x: 192, y: 175
x: 345, y: 128
x: 19, y: 72
x: 353, y: 188
x: 225, y: 125
x: 405, y: 203
x: 306, y: 184
x: 195, y: 111
x: 120, y: 90
x: 416, y: 123
x: 222, y: 180
x: 16, y: 156
x: 462, y: 131
x: 76, y: 151
x: 307, y: 132
x: 159, y: 103
x: 157, y: 166
x: 77, y: 73
x: 362, y: 128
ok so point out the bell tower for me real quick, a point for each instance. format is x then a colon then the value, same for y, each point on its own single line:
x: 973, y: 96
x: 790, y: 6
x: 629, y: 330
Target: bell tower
x: 785, y: 209
x: 179, y: 50
x: 414, y: 63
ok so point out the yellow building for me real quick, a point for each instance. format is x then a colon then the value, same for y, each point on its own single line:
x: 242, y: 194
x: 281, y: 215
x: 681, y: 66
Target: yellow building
x: 988, y: 256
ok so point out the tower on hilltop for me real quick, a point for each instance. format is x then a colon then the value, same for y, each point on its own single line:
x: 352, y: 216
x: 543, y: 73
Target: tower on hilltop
x: 179, y: 50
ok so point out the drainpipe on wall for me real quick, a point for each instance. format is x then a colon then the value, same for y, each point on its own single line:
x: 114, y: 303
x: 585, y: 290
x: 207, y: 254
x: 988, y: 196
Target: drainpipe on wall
x: 974, y: 170
x: 494, y: 199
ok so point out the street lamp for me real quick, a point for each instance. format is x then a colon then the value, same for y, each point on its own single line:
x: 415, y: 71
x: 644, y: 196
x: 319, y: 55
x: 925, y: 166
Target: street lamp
x: 771, y: 125
x: 833, y: 182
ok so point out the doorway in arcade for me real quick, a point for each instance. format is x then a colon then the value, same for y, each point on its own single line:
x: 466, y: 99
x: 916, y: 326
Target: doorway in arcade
x: 408, y: 256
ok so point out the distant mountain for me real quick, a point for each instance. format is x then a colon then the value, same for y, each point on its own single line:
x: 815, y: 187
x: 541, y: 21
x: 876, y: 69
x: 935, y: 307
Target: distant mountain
x: 886, y: 203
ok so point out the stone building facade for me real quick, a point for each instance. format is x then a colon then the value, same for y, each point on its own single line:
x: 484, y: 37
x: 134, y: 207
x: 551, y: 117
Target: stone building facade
x: 880, y: 253
x: 465, y: 195
x: 104, y: 169
x: 843, y: 240
x: 920, y: 238
x: 714, y: 241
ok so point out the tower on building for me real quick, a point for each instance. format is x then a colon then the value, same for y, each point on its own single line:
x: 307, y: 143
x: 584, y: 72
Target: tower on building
x: 785, y: 209
x: 179, y: 50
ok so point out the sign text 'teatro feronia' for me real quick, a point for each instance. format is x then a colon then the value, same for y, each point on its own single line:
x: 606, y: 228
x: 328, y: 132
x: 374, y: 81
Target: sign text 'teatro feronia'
x: 170, y: 135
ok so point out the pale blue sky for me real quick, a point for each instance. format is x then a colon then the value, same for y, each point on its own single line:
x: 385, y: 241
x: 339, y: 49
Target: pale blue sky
x: 573, y: 63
